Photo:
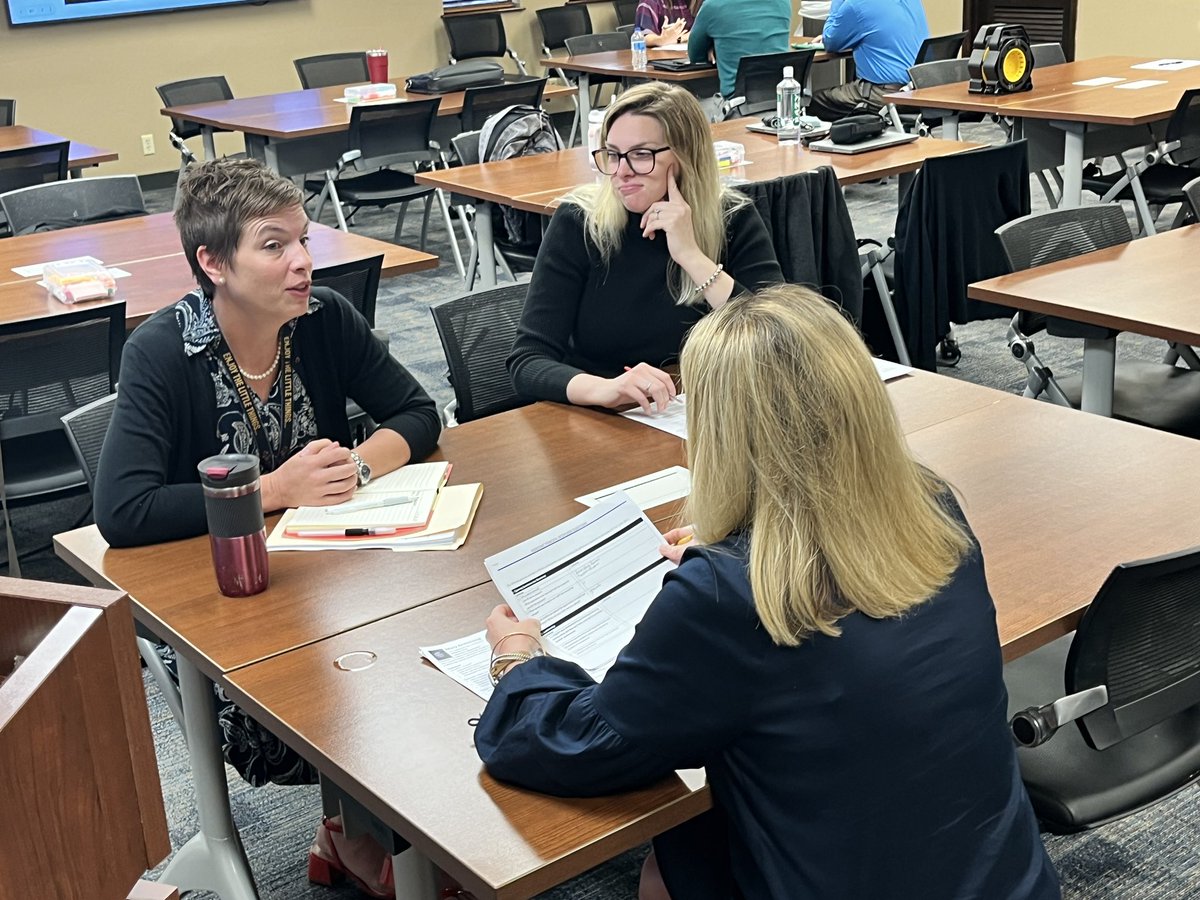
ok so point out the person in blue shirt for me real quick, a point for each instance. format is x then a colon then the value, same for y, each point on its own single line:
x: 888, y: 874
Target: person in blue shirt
x: 727, y: 30
x: 826, y: 649
x: 884, y: 36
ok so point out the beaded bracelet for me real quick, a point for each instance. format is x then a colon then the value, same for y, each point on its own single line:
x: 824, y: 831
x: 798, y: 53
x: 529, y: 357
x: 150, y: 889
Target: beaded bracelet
x: 505, y: 637
x: 701, y: 288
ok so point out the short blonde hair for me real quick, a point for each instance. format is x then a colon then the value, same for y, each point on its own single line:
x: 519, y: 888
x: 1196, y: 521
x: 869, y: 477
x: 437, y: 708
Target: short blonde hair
x: 685, y: 129
x: 791, y: 437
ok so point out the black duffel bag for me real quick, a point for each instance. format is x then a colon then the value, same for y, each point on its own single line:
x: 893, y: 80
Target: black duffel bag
x: 456, y: 77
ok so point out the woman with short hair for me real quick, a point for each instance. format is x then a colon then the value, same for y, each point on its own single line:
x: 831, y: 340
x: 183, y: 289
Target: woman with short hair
x: 826, y: 648
x: 628, y: 265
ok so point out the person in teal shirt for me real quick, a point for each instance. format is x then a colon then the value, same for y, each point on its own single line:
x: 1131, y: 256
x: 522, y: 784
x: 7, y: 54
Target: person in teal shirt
x: 730, y: 29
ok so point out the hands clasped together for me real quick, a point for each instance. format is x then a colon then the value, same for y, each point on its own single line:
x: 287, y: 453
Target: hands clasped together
x: 321, y: 474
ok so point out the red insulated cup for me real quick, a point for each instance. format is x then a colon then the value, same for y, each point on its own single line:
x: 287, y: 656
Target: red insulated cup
x: 377, y: 66
x: 236, y: 532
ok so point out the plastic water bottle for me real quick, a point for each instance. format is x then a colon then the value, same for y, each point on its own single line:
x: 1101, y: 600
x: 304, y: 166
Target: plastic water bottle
x: 637, y: 43
x: 787, y: 107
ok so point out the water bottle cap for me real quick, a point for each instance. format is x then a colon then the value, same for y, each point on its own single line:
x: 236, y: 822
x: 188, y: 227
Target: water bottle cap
x: 228, y: 470
x: 788, y: 71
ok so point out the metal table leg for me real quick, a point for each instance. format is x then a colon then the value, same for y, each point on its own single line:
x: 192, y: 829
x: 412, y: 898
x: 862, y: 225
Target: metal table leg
x: 1072, y: 163
x: 1099, y: 366
x: 485, y: 245
x: 950, y: 125
x: 210, y: 144
x: 584, y: 93
x: 213, y: 859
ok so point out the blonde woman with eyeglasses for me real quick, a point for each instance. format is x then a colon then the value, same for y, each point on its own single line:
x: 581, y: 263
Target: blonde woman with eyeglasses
x: 629, y: 264
x: 826, y: 649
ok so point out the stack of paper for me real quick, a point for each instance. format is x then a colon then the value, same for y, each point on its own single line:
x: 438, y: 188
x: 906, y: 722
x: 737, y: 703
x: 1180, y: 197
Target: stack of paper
x: 588, y: 581
x: 397, y: 502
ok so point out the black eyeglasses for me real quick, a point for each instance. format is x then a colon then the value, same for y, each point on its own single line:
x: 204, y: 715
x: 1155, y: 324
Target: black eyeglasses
x: 640, y: 160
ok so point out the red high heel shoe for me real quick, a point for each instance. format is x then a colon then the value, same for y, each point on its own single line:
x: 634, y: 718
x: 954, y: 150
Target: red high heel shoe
x: 367, y: 865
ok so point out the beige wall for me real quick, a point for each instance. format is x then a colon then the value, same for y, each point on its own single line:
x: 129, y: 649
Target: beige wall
x: 103, y: 88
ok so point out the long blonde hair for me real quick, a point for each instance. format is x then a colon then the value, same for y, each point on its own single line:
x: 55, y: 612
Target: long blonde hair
x: 791, y: 436
x: 685, y: 129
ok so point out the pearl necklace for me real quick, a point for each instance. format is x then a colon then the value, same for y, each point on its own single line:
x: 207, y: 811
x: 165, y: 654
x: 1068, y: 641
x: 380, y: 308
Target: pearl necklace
x: 267, y: 374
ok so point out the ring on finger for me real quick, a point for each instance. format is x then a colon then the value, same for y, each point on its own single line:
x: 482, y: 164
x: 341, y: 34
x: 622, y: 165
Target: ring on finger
x: 647, y: 386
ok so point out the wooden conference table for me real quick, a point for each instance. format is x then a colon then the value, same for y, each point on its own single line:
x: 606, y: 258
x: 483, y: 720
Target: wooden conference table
x: 1147, y: 286
x: 405, y: 752
x: 619, y: 64
x: 79, y: 156
x: 536, y: 183
x: 1058, y: 103
x: 148, y: 248
x: 297, y: 132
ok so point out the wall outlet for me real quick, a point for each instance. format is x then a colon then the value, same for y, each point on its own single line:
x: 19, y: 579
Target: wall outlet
x: 147, y: 144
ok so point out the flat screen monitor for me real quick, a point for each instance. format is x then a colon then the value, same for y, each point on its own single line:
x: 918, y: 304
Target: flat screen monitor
x: 41, y: 12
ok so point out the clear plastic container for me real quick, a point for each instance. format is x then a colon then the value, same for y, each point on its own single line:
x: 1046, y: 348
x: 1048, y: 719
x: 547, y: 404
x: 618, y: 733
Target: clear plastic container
x: 75, y: 280
x: 361, y: 93
x: 788, y: 97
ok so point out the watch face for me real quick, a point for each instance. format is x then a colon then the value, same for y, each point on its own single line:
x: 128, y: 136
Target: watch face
x: 364, y: 471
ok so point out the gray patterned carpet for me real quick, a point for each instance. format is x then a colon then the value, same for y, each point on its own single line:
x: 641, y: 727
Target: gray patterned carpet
x: 1151, y: 856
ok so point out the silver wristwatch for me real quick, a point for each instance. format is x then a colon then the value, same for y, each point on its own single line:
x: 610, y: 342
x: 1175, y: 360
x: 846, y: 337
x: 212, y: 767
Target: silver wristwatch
x: 364, y: 471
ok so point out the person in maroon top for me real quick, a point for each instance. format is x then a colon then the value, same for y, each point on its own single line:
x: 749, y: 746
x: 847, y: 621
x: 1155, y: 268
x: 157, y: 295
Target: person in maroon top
x: 666, y: 21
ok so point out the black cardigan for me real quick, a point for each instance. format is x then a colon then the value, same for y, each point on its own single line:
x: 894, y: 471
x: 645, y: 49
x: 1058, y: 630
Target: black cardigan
x: 147, y: 487
x: 585, y: 315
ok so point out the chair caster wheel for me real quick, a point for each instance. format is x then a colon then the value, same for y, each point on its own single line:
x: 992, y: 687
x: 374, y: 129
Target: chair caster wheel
x: 948, y: 353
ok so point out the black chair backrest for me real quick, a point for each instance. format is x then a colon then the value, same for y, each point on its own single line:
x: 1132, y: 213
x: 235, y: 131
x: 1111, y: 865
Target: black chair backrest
x: 56, y: 364
x: 626, y: 30
x: 946, y: 46
x: 391, y: 133
x: 561, y: 22
x: 1184, y: 124
x: 332, y: 69
x: 8, y: 112
x: 476, y: 35
x: 477, y: 333
x: 597, y: 43
x: 1051, y: 54
x: 931, y: 74
x: 357, y: 281
x: 206, y: 89
x: 65, y: 204
x: 1191, y: 191
x: 758, y: 75
x: 1140, y: 637
x: 26, y: 166
x: 626, y: 11
x: 86, y: 428
x: 481, y: 102
x: 1046, y: 237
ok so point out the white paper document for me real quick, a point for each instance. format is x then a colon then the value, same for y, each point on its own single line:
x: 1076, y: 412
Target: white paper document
x: 672, y: 420
x: 466, y: 660
x: 648, y: 491
x: 35, y: 271
x: 889, y: 370
x: 1137, y: 85
x: 679, y: 48
x: 1098, y: 82
x: 401, y: 499
x: 1168, y: 65
x: 588, y: 581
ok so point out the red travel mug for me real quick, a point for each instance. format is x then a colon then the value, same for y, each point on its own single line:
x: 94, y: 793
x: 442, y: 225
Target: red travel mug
x: 236, y: 531
x: 377, y: 66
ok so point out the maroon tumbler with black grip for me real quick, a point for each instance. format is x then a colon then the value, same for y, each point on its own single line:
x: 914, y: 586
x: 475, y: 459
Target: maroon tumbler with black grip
x: 236, y: 531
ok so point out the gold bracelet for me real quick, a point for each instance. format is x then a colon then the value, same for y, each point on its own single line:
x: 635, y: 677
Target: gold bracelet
x: 505, y: 661
x: 504, y: 637
x: 701, y: 288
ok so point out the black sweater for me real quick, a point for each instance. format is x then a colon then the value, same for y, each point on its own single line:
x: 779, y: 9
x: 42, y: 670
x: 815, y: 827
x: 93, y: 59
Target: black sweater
x: 583, y: 315
x: 147, y: 487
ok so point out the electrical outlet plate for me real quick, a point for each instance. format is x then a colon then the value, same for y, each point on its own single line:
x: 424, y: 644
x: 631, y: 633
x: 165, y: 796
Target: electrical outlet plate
x: 147, y: 144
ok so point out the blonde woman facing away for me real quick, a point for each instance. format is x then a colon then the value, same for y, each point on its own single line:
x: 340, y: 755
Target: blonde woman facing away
x: 628, y: 265
x: 826, y: 649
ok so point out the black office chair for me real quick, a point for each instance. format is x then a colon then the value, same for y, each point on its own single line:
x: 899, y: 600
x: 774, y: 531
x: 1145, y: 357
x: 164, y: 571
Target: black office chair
x: 1130, y: 681
x: 24, y: 167
x: 756, y: 79
x: 1048, y: 54
x: 477, y: 333
x: 8, y: 112
x: 1156, y: 180
x: 626, y: 11
x: 480, y: 35
x: 381, y: 136
x: 481, y: 102
x: 1191, y: 191
x: 51, y: 366
x: 66, y: 204
x: 945, y: 46
x: 206, y: 89
x: 582, y: 44
x: 1158, y: 395
x: 358, y: 282
x: 559, y: 23
x: 332, y: 69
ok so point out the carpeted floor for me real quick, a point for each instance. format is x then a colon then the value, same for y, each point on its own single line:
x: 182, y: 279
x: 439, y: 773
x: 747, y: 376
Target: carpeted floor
x: 1150, y: 856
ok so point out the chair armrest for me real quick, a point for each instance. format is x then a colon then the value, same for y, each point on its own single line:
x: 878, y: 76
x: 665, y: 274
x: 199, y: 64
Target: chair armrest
x: 1034, y: 726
